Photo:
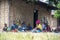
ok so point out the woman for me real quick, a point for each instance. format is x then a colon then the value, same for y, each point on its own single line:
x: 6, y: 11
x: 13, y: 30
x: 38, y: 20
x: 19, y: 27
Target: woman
x: 38, y: 25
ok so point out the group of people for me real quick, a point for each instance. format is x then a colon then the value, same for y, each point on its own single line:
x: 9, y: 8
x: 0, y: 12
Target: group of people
x: 44, y: 27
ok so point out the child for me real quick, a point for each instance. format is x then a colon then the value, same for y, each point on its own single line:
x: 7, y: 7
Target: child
x: 48, y: 28
x: 20, y: 27
x: 29, y: 27
x: 14, y: 27
x: 44, y: 26
x: 5, y: 27
x: 24, y: 26
x: 8, y: 29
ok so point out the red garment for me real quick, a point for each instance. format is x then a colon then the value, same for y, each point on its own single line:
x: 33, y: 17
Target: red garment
x: 48, y: 28
x: 14, y: 30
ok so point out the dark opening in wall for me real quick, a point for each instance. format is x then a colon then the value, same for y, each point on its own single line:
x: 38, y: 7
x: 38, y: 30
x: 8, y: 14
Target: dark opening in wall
x: 35, y: 17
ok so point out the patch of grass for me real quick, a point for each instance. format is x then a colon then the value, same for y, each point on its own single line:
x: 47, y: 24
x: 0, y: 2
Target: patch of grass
x: 28, y: 36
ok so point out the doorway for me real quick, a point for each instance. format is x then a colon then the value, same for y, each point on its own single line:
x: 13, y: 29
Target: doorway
x: 35, y: 17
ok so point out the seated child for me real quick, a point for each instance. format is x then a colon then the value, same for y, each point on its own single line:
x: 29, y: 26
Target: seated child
x: 29, y: 27
x: 48, y: 28
x: 14, y: 27
x: 5, y: 27
x: 23, y: 27
x: 44, y: 27
x: 8, y: 29
x: 20, y: 27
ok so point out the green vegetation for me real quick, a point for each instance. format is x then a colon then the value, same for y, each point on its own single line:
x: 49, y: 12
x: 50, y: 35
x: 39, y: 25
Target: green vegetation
x: 57, y: 12
x: 29, y: 36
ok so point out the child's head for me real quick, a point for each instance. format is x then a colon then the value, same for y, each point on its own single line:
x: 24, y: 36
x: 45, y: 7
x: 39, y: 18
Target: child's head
x: 5, y: 25
x: 28, y: 24
x: 14, y: 22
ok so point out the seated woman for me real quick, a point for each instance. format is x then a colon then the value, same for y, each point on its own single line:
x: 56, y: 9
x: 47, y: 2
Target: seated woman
x: 38, y: 27
x: 5, y: 27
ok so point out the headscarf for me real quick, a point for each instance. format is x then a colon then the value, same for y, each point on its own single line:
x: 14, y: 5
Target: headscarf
x: 37, y: 21
x: 38, y: 24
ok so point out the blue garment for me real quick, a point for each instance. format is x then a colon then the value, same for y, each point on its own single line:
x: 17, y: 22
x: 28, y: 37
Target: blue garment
x: 36, y: 30
x: 39, y: 31
x: 30, y: 28
x: 44, y: 27
x: 14, y: 26
x: 24, y: 27
x: 20, y: 29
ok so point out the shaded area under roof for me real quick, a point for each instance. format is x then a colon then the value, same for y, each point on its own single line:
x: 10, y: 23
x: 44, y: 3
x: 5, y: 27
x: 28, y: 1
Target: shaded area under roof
x: 45, y: 5
x: 42, y: 4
